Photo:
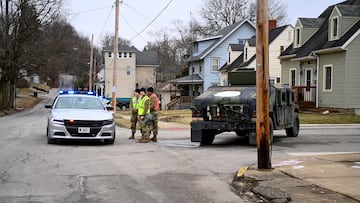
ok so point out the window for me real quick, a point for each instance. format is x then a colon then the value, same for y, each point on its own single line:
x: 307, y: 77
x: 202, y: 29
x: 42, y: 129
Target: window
x: 110, y: 55
x: 297, y: 36
x: 130, y: 55
x: 193, y: 69
x: 200, y: 69
x: 128, y: 69
x: 214, y: 64
x: 120, y: 54
x: 246, y: 54
x: 241, y: 41
x: 328, y: 78
x: 125, y: 55
x: 292, y: 78
x: 335, y: 28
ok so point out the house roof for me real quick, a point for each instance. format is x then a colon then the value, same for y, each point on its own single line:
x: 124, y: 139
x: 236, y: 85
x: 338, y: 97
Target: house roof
x: 239, y: 62
x: 189, y: 79
x: 122, y: 48
x: 237, y: 47
x: 311, y: 22
x: 146, y: 58
x: 235, y: 64
x: 273, y: 34
x: 223, y: 34
x: 319, y: 40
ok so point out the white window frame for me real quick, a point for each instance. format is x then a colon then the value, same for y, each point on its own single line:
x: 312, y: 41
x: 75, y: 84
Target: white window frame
x: 331, y: 31
x: 110, y: 55
x: 290, y: 77
x: 215, y: 67
x: 324, y: 78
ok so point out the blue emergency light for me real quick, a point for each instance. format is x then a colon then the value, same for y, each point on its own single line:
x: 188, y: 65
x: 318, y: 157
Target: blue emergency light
x: 77, y: 92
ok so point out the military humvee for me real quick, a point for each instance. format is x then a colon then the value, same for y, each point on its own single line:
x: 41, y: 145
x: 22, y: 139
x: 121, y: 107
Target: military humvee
x: 233, y: 108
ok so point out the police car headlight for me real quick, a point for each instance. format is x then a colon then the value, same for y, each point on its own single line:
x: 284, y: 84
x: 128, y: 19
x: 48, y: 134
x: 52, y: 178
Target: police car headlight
x: 57, y: 121
x: 108, y: 122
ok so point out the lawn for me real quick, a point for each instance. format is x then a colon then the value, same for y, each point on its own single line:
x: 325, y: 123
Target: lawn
x: 184, y: 116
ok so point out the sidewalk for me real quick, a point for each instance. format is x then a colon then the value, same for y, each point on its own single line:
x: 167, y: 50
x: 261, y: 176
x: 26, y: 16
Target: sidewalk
x: 323, y: 178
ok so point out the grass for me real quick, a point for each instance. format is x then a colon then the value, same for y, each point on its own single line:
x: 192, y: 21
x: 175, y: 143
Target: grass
x: 184, y: 117
x: 313, y: 118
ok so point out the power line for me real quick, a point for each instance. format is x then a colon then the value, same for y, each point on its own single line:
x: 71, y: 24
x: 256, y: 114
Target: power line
x: 131, y: 27
x: 140, y: 13
x: 166, y: 6
x: 107, y: 20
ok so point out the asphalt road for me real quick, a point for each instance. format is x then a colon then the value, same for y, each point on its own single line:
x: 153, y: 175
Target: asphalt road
x: 172, y: 170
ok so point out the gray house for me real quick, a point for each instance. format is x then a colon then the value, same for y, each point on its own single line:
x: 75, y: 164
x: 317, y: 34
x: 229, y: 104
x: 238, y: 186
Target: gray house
x: 323, y: 63
x: 210, y: 54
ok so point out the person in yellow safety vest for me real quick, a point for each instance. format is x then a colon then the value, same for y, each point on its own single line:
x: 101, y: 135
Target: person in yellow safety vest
x: 144, y: 116
x: 154, y: 108
x: 134, y: 112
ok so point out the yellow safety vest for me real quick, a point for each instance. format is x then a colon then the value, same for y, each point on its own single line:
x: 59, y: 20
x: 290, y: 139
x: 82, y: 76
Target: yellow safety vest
x: 141, y: 105
x: 134, y: 103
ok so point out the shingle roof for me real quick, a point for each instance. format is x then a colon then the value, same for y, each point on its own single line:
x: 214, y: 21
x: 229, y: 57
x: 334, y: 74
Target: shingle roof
x: 223, y: 33
x: 147, y: 58
x: 320, y: 39
x: 311, y: 22
x: 349, y: 10
x: 273, y: 34
x: 237, y: 47
x: 235, y: 64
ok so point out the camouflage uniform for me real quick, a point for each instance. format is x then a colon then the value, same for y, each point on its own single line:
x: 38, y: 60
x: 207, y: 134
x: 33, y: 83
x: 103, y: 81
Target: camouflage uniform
x: 134, y: 112
x: 144, y: 117
x: 154, y: 108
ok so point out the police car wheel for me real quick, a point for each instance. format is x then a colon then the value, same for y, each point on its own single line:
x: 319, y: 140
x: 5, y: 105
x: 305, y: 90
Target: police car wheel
x: 49, y: 139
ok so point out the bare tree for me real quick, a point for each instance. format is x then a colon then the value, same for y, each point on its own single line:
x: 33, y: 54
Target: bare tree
x: 221, y: 13
x: 20, y: 21
x: 108, y: 40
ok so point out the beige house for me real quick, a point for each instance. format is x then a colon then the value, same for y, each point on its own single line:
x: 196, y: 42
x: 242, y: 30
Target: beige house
x: 135, y: 69
x: 279, y: 39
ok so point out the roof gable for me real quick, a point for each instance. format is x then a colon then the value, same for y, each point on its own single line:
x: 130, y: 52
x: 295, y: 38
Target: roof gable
x: 319, y: 40
x: 224, y: 33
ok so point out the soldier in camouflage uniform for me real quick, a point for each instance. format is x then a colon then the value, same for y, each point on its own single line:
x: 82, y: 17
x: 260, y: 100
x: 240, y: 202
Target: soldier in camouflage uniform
x: 154, y: 108
x: 144, y: 116
x: 134, y: 112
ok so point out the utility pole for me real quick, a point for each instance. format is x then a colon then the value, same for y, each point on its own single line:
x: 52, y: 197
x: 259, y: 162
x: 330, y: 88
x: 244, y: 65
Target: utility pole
x: 116, y: 53
x: 91, y: 62
x: 262, y: 85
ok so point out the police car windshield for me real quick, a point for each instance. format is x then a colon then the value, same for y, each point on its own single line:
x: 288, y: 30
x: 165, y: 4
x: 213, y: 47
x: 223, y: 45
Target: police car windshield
x: 79, y: 103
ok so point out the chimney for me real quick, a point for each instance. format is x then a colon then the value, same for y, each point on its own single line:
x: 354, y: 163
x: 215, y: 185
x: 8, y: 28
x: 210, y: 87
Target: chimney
x: 272, y: 24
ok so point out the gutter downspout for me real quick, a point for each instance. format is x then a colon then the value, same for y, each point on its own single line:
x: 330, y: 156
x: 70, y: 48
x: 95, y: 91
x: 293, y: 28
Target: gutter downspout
x: 317, y: 79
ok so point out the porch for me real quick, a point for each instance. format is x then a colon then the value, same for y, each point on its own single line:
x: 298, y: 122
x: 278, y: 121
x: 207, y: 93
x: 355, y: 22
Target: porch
x: 305, y: 96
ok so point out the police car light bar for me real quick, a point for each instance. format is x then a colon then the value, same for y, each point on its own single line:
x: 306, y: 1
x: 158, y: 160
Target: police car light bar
x: 76, y: 92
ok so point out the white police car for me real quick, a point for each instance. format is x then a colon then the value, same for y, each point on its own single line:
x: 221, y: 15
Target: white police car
x: 75, y: 115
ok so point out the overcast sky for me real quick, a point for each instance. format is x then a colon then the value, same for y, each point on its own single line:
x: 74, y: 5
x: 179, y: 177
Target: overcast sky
x: 97, y: 17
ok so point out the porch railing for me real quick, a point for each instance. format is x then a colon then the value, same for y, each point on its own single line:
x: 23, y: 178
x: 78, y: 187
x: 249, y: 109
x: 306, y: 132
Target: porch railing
x: 179, y: 103
x: 305, y: 96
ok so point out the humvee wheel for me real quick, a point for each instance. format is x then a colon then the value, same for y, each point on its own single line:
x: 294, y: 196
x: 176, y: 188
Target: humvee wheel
x: 207, y: 137
x: 294, y: 131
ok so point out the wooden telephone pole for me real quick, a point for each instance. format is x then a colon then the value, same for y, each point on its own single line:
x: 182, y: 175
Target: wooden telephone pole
x: 262, y: 85
x: 116, y: 53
